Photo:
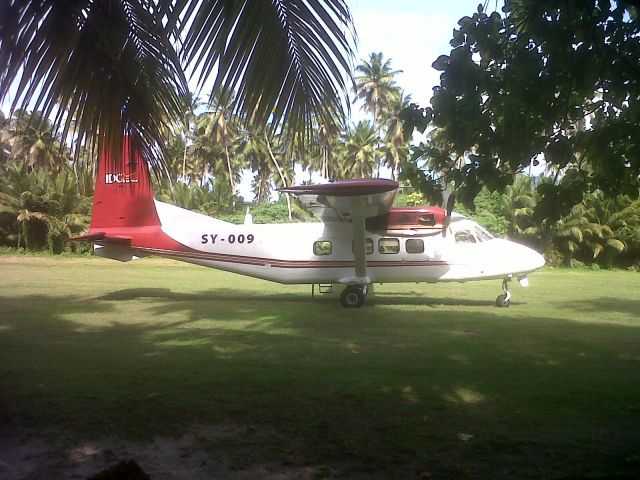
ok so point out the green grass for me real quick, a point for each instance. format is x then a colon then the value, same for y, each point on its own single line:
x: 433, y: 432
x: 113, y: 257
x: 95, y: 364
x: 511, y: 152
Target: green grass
x: 549, y: 388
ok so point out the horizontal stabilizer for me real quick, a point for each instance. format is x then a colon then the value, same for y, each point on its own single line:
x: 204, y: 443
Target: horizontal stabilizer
x: 101, y: 237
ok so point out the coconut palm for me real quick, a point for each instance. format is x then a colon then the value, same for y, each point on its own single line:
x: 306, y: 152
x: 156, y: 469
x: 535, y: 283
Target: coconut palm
x: 518, y: 203
x: 358, y: 155
x: 33, y: 141
x: 5, y: 145
x: 190, y: 103
x: 117, y: 66
x: 255, y: 153
x: 376, y: 87
x: 220, y: 128
x: 396, y: 148
x: 38, y: 209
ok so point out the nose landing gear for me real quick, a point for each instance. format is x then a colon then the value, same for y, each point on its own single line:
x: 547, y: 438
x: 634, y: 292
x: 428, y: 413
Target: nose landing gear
x: 505, y: 299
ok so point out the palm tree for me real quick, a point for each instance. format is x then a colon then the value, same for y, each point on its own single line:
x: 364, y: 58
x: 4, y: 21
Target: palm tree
x: 377, y: 88
x: 358, y: 155
x: 253, y: 149
x: 221, y: 127
x: 190, y: 104
x: 518, y: 203
x: 5, y: 145
x: 118, y: 66
x: 39, y: 209
x: 34, y: 142
x: 397, y: 141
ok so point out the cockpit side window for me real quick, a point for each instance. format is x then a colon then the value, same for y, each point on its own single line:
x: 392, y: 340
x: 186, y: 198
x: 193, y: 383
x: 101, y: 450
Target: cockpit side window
x: 481, y: 234
x: 464, y: 236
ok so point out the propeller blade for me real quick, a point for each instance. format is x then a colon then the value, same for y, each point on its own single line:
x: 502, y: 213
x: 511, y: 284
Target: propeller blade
x: 450, y: 203
x: 447, y: 219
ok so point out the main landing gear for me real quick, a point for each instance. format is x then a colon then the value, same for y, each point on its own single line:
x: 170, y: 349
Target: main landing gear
x: 505, y: 299
x: 353, y: 296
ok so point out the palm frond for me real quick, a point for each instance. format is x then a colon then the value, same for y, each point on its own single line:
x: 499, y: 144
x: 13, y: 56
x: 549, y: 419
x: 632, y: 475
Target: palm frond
x: 103, y: 67
x: 284, y: 59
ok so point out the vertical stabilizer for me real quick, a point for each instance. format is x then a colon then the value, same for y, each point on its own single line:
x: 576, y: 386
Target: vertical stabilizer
x: 123, y: 195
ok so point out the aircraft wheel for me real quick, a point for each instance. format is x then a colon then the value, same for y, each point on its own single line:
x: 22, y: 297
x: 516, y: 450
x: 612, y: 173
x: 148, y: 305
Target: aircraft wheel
x: 352, y: 297
x: 502, y: 301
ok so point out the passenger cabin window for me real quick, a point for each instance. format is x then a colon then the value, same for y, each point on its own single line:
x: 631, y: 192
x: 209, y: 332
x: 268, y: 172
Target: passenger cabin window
x: 414, y: 245
x: 322, y: 247
x: 389, y: 245
x: 465, y: 236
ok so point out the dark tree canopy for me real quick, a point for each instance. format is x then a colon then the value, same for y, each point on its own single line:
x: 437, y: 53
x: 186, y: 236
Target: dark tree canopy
x: 557, y: 78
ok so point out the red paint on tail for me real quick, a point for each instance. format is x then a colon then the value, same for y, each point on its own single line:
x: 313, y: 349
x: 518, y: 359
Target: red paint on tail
x: 123, y: 196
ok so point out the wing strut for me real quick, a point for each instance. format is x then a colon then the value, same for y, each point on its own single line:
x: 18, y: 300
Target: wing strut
x: 357, y: 220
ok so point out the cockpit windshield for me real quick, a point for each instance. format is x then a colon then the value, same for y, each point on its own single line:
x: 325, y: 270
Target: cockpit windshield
x: 470, y: 232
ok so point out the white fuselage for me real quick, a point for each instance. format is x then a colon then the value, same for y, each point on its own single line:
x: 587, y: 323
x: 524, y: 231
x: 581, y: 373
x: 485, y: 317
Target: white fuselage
x: 322, y: 252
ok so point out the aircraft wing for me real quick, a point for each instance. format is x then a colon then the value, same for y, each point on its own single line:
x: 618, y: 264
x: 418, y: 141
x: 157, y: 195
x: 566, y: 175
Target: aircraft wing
x: 349, y: 201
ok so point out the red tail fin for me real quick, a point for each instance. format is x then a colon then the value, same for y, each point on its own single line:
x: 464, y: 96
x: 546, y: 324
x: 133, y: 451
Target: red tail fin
x: 123, y: 196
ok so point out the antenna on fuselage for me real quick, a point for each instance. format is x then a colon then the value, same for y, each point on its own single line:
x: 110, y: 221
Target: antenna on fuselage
x: 248, y: 218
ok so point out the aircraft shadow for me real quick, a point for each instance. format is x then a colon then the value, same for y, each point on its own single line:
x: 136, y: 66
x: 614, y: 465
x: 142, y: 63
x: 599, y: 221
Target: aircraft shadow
x: 225, y: 294
x: 210, y: 295
x: 388, y: 298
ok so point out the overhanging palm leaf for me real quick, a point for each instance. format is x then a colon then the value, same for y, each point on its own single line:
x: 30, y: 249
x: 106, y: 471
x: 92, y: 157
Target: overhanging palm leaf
x: 111, y: 66
x: 106, y: 64
x: 286, y: 58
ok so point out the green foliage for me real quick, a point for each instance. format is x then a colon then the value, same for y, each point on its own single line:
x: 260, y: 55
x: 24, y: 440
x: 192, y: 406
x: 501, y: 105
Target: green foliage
x: 40, y: 209
x: 557, y: 79
x: 270, y: 212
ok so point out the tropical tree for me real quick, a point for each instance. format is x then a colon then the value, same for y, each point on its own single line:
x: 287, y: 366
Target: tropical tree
x: 376, y: 87
x: 357, y: 157
x: 219, y: 128
x: 521, y: 83
x: 5, y: 145
x: 33, y: 141
x: 397, y: 138
x: 39, y: 209
x: 190, y: 103
x: 518, y: 203
x: 115, y: 67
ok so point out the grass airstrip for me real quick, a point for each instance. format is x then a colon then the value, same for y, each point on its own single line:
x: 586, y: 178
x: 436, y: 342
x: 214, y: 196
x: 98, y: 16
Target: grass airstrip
x: 424, y: 381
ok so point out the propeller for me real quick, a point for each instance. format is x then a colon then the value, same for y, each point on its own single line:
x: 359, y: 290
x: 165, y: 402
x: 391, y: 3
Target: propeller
x: 451, y: 200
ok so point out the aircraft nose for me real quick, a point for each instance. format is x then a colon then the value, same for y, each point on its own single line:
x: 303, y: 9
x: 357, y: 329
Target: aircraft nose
x: 539, y: 260
x: 533, y: 259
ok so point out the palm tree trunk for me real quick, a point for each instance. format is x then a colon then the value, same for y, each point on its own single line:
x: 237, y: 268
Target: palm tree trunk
x: 231, y: 181
x: 184, y: 162
x: 281, y: 173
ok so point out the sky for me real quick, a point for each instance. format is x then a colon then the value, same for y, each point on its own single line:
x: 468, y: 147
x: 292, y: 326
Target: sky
x: 412, y: 33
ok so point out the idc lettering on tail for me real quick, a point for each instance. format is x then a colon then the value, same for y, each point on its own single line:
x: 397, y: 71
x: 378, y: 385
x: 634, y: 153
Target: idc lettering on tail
x: 120, y: 178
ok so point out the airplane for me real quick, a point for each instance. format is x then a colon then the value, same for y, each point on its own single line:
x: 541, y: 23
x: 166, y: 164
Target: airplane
x: 360, y: 238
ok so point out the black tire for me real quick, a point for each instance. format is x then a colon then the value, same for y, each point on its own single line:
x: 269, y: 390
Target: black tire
x: 502, y: 301
x: 352, y: 297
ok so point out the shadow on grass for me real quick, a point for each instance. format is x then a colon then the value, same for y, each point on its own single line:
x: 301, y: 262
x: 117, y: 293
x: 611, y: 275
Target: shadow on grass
x: 379, y: 298
x: 605, y: 305
x: 369, y: 391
